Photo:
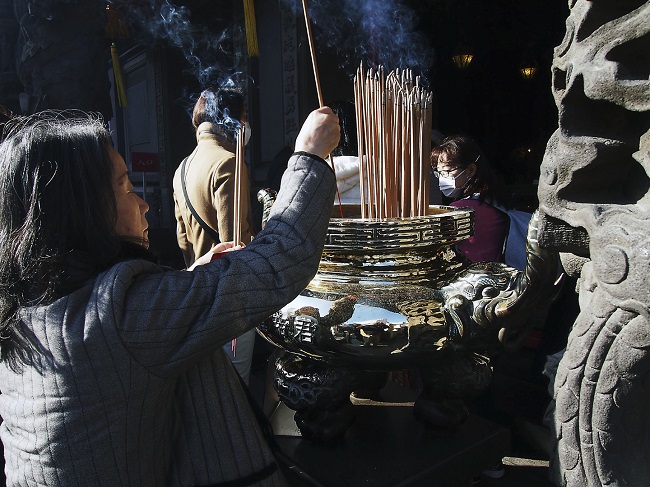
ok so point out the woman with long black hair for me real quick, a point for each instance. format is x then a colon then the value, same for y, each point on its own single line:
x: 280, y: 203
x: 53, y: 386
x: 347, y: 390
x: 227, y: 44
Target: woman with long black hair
x: 112, y: 369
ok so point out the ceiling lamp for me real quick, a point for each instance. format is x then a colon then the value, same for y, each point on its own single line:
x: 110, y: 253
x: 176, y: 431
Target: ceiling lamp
x: 462, y: 59
x: 527, y: 69
x: 528, y: 72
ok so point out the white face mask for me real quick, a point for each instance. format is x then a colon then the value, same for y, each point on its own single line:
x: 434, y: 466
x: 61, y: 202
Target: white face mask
x: 448, y: 185
x: 247, y: 133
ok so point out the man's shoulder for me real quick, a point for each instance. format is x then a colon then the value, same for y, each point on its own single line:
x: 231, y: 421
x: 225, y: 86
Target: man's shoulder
x: 212, y: 148
x: 213, y: 158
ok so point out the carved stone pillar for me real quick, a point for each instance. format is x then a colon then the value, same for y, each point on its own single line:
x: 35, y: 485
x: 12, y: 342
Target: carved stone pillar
x: 593, y: 195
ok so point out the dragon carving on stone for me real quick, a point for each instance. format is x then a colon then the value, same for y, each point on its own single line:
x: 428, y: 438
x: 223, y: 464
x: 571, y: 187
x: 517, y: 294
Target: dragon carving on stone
x: 594, y: 197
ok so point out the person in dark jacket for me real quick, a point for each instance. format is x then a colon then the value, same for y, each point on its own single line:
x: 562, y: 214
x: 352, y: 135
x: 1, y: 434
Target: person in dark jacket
x: 112, y: 369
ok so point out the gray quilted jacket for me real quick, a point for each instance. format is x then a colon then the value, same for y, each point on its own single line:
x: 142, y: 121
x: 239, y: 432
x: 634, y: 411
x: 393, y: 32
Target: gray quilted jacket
x: 133, y: 388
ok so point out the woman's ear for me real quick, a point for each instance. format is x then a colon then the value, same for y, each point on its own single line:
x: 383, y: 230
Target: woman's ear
x: 471, y: 171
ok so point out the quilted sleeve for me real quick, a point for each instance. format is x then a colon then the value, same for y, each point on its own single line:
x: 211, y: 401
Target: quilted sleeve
x: 170, y: 319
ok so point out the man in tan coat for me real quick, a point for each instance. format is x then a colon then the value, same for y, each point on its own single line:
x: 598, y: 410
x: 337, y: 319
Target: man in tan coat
x: 209, y: 176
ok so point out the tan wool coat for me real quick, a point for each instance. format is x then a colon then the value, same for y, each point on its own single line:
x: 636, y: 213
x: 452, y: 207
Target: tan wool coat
x: 210, y: 182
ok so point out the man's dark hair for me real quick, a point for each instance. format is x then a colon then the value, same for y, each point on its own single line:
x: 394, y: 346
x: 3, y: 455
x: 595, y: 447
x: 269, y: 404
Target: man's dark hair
x: 224, y: 106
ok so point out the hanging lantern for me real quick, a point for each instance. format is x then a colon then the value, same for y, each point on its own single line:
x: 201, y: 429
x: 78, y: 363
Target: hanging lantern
x: 528, y: 68
x: 528, y: 72
x: 462, y: 60
x: 462, y: 55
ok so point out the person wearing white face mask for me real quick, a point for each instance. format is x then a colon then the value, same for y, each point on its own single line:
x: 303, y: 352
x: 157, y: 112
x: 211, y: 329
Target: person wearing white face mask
x: 466, y: 179
x: 204, y: 192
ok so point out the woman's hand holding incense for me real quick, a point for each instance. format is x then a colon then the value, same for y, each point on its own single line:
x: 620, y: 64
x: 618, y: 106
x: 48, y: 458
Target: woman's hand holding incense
x: 215, y: 253
x: 320, y: 133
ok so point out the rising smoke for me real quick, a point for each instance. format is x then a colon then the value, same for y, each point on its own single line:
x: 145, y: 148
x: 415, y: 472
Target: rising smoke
x: 208, y: 49
x: 375, y: 32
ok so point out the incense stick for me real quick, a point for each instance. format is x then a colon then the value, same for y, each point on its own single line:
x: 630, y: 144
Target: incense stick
x: 312, y: 53
x: 360, y: 146
x: 319, y: 93
x: 239, y: 161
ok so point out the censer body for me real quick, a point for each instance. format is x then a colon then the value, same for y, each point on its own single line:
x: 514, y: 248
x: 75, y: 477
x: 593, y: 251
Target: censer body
x: 375, y: 301
x: 393, y: 294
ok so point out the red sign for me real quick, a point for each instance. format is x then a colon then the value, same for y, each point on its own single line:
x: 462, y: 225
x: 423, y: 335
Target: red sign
x: 145, y: 162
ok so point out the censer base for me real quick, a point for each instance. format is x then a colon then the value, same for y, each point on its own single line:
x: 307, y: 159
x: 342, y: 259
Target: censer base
x: 320, y: 394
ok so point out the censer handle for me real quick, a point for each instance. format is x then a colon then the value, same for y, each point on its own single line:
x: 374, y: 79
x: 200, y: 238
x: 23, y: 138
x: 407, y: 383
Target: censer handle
x: 535, y: 287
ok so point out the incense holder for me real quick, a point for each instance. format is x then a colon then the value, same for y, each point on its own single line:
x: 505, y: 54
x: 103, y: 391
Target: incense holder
x: 394, y: 298
x: 376, y: 299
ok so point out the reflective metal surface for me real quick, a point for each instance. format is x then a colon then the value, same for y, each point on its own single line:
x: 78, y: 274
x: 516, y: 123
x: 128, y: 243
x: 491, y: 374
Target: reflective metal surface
x: 395, y: 294
x: 377, y: 298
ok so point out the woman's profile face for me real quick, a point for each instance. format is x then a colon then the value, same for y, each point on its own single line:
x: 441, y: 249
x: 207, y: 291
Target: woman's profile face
x: 130, y: 207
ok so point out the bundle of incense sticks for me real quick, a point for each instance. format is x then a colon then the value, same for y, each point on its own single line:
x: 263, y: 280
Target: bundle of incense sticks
x: 394, y: 116
x: 239, y: 163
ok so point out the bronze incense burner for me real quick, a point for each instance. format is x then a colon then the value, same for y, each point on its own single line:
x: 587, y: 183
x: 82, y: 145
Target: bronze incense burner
x: 395, y: 294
